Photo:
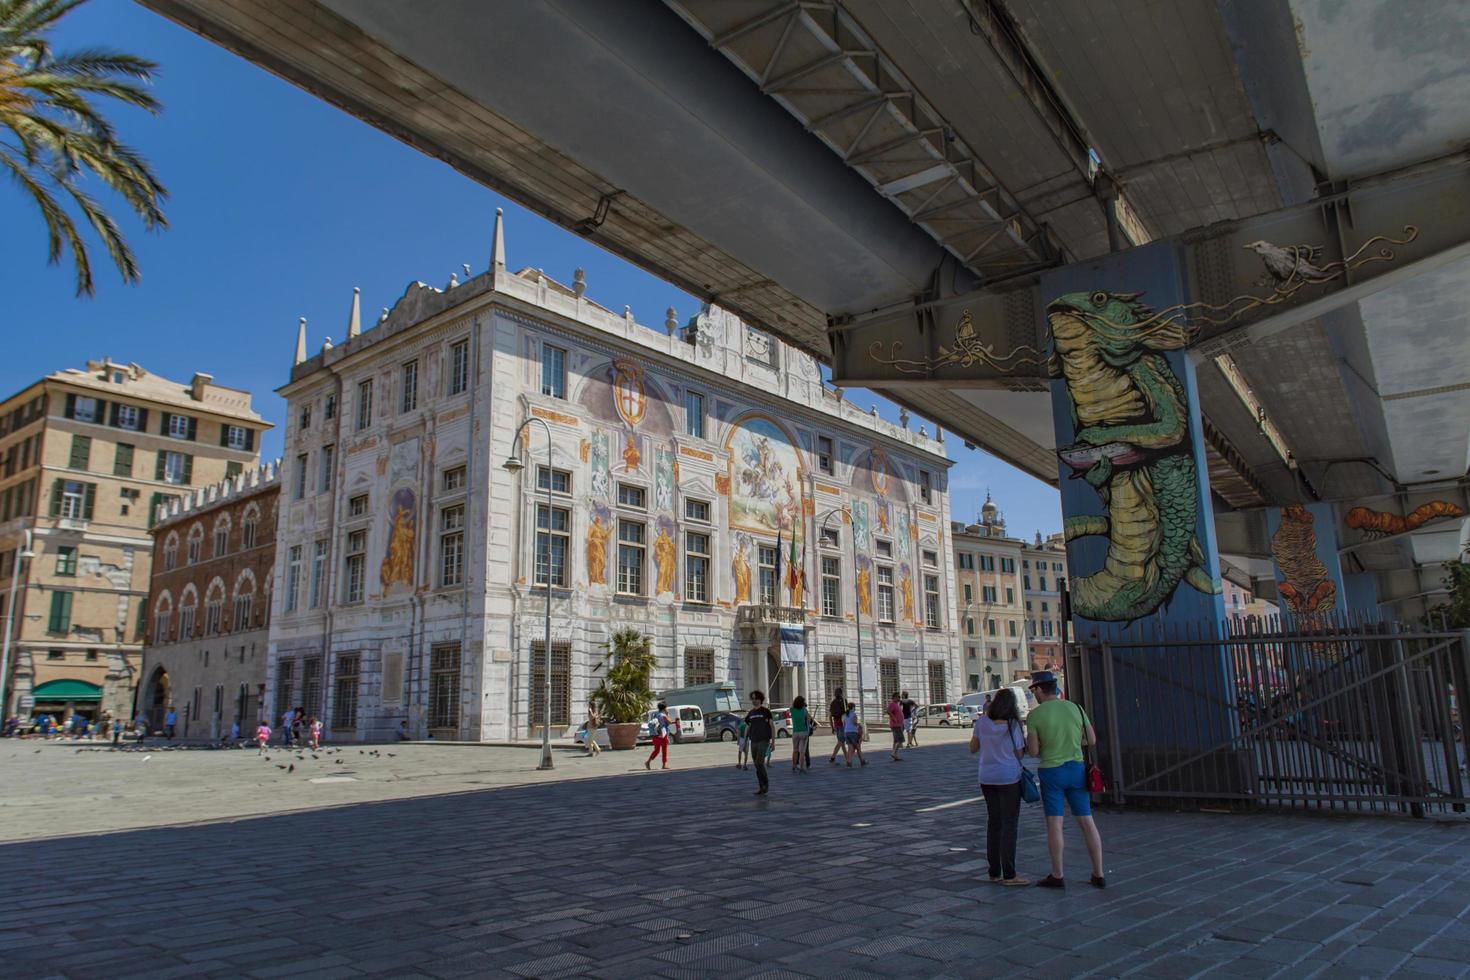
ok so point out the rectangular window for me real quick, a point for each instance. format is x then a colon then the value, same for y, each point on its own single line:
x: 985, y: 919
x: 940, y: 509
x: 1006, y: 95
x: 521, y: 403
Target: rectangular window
x: 1056, y: 566
x: 553, y: 371
x: 987, y: 563
x: 694, y: 414
x: 1026, y: 582
x: 451, y: 545
x: 559, y: 480
x: 969, y: 593
x: 990, y: 627
x: 85, y: 409
x: 344, y: 692
x: 931, y: 558
x: 824, y: 454
x: 180, y: 426
x: 355, y: 571
x: 938, y: 690
x: 293, y: 577
x: 364, y: 404
x: 305, y: 420
x: 318, y: 574
x: 60, y: 621
x: 176, y: 467
x: 232, y: 469
x: 122, y: 460
x: 631, y: 547
x: 444, y: 690
x: 1008, y: 565
x: 1010, y: 627
x: 329, y: 407
x: 561, y: 688
x: 987, y: 593
x: 766, y: 561
x: 236, y: 437
x: 66, y: 560
x: 884, y: 549
x: 127, y: 417
x: 357, y: 506
x: 1043, y: 584
x: 328, y: 459
x: 967, y: 561
x: 410, y: 399
x: 969, y: 627
x: 311, y: 686
x: 553, y: 542
x: 454, y: 479
x: 696, y: 568
x: 81, y: 452
x: 885, y: 593
x: 285, y: 686
x: 831, y: 586
x: 75, y: 500
x: 699, y: 666
x: 631, y: 496
x: 1046, y: 607
x: 459, y: 367
x: 830, y: 537
x: 834, y: 677
x: 1010, y: 596
x: 931, y: 601
x: 697, y: 510
x: 300, y: 491
x: 926, y: 487
x: 888, y: 682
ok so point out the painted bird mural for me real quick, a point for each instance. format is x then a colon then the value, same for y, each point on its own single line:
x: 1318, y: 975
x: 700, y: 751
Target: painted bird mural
x: 1286, y: 264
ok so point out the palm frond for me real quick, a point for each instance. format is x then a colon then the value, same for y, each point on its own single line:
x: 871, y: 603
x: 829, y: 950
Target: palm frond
x: 59, y: 226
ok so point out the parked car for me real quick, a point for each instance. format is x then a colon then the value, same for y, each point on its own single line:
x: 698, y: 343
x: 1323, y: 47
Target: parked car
x: 723, y: 725
x: 939, y: 714
x: 967, y: 714
x: 781, y: 718
x: 685, y: 720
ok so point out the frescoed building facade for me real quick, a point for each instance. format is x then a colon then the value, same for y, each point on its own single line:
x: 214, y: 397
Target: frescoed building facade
x: 209, y: 605
x: 413, y: 567
x: 991, y: 623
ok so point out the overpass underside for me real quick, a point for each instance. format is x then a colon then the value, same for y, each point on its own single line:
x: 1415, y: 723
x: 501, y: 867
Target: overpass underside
x: 888, y: 185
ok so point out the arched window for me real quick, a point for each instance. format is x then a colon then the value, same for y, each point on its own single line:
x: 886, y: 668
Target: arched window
x: 171, y: 551
x: 248, y: 525
x: 244, y: 600
x: 163, y: 615
x: 196, y: 543
x: 188, y: 606
x: 214, y: 608
x: 221, y: 536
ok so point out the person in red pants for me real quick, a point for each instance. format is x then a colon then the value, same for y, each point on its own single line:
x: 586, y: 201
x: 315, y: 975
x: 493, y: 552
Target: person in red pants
x: 660, y: 724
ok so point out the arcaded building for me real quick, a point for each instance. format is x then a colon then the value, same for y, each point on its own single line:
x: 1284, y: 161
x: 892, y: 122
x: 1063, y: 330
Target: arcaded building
x: 209, y: 602
x: 413, y: 569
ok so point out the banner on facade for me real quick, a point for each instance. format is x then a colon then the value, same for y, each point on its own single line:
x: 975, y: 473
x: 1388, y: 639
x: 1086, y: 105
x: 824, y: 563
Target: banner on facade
x: 793, y: 645
x: 868, y: 675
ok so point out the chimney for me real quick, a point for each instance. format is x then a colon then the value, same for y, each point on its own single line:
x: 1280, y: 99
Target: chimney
x: 197, y: 386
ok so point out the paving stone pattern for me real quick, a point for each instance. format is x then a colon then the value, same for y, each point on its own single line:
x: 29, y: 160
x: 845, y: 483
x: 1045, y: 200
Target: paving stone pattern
x: 686, y: 874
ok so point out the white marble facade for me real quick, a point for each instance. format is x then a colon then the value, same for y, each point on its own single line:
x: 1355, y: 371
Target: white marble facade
x: 377, y: 512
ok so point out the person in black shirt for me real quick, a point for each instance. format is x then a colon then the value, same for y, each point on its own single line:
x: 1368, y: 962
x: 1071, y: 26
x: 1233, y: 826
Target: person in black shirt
x: 835, y: 711
x: 760, y: 729
x: 909, y: 721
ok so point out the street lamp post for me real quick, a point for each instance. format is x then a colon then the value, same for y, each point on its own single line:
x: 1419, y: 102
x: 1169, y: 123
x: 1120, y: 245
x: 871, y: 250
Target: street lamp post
x: 857, y: 610
x: 513, y: 464
x: 25, y: 554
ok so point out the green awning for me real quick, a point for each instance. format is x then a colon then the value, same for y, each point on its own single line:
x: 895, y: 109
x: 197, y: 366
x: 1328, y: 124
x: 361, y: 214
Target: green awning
x: 66, y: 689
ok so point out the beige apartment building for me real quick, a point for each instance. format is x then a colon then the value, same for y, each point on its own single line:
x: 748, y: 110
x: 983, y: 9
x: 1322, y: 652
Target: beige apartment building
x: 1043, y: 574
x: 992, y: 623
x: 86, y: 458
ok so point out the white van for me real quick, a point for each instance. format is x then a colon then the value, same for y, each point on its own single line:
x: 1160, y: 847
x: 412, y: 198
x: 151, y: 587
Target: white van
x: 1025, y: 700
x: 687, y: 721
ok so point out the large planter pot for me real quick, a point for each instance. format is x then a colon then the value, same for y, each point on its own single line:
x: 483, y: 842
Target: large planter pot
x: 623, y: 735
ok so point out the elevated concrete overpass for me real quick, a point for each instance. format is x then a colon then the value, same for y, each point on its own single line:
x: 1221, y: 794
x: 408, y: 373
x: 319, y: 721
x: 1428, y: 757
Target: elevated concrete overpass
x: 859, y: 174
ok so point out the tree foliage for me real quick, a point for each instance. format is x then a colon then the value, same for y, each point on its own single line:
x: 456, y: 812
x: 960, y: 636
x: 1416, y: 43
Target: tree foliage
x: 624, y: 694
x: 1454, y: 614
x: 53, y: 139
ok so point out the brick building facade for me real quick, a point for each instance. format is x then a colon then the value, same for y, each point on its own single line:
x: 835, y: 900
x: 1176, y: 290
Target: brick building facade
x: 209, y: 605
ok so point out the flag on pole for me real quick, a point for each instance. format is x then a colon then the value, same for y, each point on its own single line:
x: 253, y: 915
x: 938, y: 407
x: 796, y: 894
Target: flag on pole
x: 794, y: 568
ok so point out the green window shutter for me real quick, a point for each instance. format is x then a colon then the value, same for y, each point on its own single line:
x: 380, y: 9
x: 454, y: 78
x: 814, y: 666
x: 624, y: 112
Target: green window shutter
x: 88, y: 497
x: 112, y: 415
x: 153, y: 503
x: 81, y: 452
x: 71, y: 406
x: 188, y: 469
x: 232, y: 468
x: 142, y: 620
x: 163, y: 423
x: 193, y: 429
x: 60, y: 613
x: 122, y: 463
x: 250, y: 440
x: 224, y: 435
x: 158, y: 470
x: 142, y: 420
x: 56, y: 497
x: 101, y: 415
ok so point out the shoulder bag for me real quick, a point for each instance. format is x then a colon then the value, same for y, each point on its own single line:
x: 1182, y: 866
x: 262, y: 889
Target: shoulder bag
x: 1030, y: 792
x: 1092, y: 777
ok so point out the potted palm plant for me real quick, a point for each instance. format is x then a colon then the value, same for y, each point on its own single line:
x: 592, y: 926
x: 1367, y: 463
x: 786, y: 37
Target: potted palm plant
x: 624, y: 695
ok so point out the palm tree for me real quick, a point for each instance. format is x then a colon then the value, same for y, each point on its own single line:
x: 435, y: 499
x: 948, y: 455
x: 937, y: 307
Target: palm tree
x: 624, y: 696
x: 51, y: 134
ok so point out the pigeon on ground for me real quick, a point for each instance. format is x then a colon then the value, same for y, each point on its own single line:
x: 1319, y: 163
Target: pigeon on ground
x: 392, y: 755
x: 359, y: 752
x: 337, y: 761
x: 314, y: 755
x: 291, y: 767
x: 279, y: 766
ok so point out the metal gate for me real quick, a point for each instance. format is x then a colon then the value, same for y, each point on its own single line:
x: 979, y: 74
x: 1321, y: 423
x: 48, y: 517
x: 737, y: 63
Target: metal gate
x: 1343, y: 717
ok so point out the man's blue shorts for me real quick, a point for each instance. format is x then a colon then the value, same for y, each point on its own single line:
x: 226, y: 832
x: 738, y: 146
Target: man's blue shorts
x: 1068, y: 782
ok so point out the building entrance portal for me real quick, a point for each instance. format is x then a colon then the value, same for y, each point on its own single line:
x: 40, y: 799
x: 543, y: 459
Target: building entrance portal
x: 159, y: 697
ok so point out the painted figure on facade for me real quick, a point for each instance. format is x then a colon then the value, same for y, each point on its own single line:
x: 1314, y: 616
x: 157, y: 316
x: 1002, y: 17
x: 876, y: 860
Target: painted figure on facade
x: 601, y: 482
x: 1131, y: 418
x: 882, y: 512
x: 864, y: 584
x: 740, y: 566
x: 664, y: 555
x: 766, y: 470
x: 663, y: 482
x: 1306, y: 586
x: 597, y: 546
x: 878, y: 466
x: 631, y: 456
x: 397, y: 567
x: 906, y: 591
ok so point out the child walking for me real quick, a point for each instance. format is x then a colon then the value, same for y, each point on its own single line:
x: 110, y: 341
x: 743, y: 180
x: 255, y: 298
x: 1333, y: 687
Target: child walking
x: 852, y: 734
x: 316, y: 732
x: 262, y: 736
x: 742, y: 758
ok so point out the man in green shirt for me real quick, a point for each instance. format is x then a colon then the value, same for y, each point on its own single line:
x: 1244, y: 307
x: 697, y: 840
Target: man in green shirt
x: 1056, y: 730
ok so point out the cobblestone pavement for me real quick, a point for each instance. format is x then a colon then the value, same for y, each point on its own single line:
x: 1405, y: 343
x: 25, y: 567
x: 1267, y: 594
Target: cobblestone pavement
x: 860, y: 872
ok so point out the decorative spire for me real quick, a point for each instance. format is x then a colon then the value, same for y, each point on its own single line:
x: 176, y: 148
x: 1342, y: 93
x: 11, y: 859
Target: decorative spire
x: 300, y: 343
x: 579, y: 282
x: 497, y: 249
x: 671, y: 321
x: 354, y: 318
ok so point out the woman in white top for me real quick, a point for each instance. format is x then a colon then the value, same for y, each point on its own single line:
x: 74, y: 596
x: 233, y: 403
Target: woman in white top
x: 1000, y: 739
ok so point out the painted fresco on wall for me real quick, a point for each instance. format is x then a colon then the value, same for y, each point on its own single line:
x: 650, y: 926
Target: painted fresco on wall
x: 601, y: 480
x: 740, y: 568
x: 765, y: 484
x: 860, y: 523
x: 882, y: 512
x: 663, y: 485
x: 865, y: 585
x: 878, y: 467
x: 1307, y: 573
x: 403, y: 463
x: 1131, y: 419
x: 397, y: 566
x: 598, y: 528
x: 1381, y: 523
x: 906, y: 590
x: 664, y: 556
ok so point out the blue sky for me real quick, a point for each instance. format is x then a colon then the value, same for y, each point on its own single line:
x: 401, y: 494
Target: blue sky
x: 279, y: 205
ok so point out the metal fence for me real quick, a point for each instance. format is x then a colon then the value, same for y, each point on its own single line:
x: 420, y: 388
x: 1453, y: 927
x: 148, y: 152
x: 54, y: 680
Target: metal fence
x: 1336, y: 716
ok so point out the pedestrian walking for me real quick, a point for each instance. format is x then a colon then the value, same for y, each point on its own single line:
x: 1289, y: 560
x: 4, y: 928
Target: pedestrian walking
x: 836, y: 711
x: 801, y: 730
x: 760, y: 724
x: 262, y: 735
x: 298, y: 725
x: 852, y: 735
x: 897, y: 724
x: 316, y: 732
x: 288, y: 716
x: 140, y: 727
x: 660, y: 737
x: 910, y: 719
x: 170, y: 719
x: 1056, y: 732
x: 999, y: 740
x: 742, y: 756
x: 594, y: 722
